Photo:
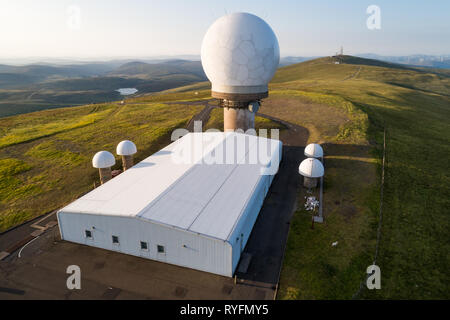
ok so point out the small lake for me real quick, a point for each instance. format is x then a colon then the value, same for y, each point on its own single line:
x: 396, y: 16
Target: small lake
x: 127, y: 91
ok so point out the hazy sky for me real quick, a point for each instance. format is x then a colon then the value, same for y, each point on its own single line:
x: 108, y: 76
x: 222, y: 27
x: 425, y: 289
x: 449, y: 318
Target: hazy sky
x: 138, y: 28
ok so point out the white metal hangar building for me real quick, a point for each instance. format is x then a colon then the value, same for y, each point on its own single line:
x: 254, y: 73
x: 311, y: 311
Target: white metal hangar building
x: 192, y: 204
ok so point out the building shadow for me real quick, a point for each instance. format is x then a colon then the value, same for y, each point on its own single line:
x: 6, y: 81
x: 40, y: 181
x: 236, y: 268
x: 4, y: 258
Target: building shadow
x: 267, y: 241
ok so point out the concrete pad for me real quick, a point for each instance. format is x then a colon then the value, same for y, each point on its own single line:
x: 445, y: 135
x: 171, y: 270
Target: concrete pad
x: 111, y: 275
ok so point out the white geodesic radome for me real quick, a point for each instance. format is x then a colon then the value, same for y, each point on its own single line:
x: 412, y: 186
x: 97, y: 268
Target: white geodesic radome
x: 311, y: 168
x: 240, y: 54
x: 103, y: 159
x: 313, y: 150
x: 126, y: 148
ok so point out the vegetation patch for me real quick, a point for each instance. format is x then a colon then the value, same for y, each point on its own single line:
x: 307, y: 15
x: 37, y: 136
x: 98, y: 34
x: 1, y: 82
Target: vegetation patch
x: 350, y: 130
x: 10, y: 184
x: 37, y: 180
x: 173, y: 95
x: 49, y: 151
x: 413, y: 105
x: 25, y: 133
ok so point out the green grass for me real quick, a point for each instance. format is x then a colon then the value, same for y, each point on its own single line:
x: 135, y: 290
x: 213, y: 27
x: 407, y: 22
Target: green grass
x: 342, y: 121
x: 413, y: 105
x: 49, y: 151
x: 16, y: 130
x: 46, y: 156
x: 12, y: 184
x: 174, y: 95
x: 312, y: 269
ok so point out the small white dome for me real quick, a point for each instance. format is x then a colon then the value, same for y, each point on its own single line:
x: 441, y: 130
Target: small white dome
x: 240, y: 54
x: 314, y: 150
x: 311, y: 168
x: 103, y: 159
x: 126, y: 148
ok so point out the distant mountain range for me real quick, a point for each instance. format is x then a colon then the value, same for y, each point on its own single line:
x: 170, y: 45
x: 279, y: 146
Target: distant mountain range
x: 285, y: 61
x: 110, y: 60
x: 419, y: 60
x: 20, y: 76
x: 156, y: 70
x: 41, y: 86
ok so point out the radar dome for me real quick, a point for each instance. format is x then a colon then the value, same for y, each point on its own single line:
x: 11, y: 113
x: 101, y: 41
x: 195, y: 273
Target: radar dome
x: 311, y: 168
x: 126, y: 148
x: 314, y: 150
x: 240, y: 54
x: 103, y: 159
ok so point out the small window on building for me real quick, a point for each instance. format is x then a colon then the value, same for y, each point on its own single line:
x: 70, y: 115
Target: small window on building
x: 88, y: 233
x: 144, y: 245
x: 160, y: 249
x: 115, y: 239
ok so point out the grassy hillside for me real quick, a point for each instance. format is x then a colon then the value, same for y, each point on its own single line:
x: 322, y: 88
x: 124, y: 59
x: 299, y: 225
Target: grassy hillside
x: 45, y: 157
x: 414, y: 107
x: 45, y: 163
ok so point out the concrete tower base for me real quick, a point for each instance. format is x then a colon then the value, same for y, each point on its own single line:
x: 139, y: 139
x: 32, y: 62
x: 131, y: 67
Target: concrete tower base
x: 236, y: 114
x: 238, y: 118
x: 310, y: 182
x: 105, y: 174
x: 127, y: 162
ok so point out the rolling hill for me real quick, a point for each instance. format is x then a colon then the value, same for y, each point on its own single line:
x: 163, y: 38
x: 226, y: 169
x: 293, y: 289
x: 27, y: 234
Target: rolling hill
x: 158, y: 70
x: 413, y: 105
x: 419, y: 60
x: 35, y: 87
x: 17, y: 76
x: 45, y: 163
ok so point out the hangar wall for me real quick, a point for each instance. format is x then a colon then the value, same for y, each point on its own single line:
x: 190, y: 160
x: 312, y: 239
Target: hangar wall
x: 241, y: 232
x: 182, y: 247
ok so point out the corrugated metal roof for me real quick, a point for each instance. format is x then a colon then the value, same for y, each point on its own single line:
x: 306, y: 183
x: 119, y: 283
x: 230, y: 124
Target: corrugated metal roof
x: 195, y: 196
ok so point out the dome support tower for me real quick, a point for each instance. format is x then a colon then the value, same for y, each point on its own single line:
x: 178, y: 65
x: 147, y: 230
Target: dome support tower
x: 105, y: 174
x: 239, y: 110
x: 126, y: 149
